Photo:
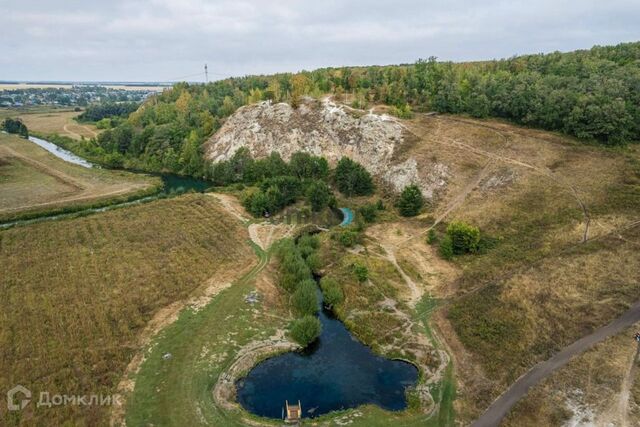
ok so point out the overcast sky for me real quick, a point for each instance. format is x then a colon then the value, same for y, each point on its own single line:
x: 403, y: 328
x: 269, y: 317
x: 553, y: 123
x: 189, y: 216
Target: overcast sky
x: 162, y: 40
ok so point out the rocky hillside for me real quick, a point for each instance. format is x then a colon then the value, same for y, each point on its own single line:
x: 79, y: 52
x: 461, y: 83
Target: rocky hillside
x: 327, y: 129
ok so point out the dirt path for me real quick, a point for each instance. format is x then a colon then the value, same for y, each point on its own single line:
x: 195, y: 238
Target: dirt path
x: 503, y: 404
x: 625, y: 392
x: 451, y: 142
x: 414, y: 290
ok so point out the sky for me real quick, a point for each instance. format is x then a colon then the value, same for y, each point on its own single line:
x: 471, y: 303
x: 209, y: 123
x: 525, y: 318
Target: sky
x: 168, y: 40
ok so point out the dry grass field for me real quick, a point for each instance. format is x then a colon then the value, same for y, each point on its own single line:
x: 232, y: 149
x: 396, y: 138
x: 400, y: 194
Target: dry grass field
x: 537, y: 196
x: 33, y: 180
x: 59, y: 122
x: 75, y: 295
x: 600, y: 387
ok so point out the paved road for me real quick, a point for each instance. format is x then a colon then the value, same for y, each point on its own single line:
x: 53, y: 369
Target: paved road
x: 501, y: 406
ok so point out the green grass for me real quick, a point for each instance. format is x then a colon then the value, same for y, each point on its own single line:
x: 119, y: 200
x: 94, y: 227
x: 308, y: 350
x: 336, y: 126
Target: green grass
x: 203, y: 344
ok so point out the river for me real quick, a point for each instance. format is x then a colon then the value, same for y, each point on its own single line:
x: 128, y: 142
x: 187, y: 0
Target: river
x: 171, y: 184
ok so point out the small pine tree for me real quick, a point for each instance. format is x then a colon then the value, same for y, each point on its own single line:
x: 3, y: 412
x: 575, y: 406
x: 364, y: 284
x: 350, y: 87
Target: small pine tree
x: 411, y: 201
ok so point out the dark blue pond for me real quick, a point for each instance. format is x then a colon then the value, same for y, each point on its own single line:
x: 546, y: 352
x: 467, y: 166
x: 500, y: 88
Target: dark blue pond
x: 337, y: 372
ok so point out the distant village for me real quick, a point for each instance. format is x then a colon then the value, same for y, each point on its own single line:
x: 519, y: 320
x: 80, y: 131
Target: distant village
x: 80, y: 95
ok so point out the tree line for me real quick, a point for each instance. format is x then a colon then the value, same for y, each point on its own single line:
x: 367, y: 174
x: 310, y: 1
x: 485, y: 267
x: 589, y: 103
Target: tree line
x: 591, y: 94
x: 276, y: 184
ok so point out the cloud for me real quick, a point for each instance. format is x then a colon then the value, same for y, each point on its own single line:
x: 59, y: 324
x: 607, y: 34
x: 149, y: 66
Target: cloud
x: 157, y: 40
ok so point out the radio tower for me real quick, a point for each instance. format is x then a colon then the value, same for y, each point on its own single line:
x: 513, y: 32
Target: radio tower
x: 206, y: 74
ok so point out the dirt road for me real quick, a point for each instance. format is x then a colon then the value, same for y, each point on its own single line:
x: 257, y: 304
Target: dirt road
x: 501, y: 406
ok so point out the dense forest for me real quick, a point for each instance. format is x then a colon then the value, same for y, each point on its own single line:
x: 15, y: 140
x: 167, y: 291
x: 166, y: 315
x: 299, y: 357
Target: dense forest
x: 591, y: 94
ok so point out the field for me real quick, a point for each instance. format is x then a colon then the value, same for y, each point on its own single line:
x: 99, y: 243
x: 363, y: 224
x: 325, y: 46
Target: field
x: 600, y: 387
x: 537, y: 286
x: 49, y: 120
x: 60, y: 123
x: 80, y: 297
x: 33, y: 181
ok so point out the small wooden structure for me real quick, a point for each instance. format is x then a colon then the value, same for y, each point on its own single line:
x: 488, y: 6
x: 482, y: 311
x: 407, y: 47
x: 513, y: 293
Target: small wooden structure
x: 294, y: 413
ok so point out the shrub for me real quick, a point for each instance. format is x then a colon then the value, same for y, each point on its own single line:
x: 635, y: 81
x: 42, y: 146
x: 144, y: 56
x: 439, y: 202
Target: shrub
x: 347, y: 238
x: 361, y: 272
x: 446, y: 248
x: 368, y: 212
x: 432, y: 237
x: 305, y: 299
x: 314, y: 262
x: 465, y: 238
x: 410, y: 201
x: 401, y: 111
x: 305, y: 330
x: 256, y: 203
x: 332, y: 292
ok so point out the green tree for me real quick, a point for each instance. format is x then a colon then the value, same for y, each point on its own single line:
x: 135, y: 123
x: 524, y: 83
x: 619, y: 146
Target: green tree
x: 318, y: 194
x: 331, y: 291
x: 15, y: 126
x: 305, y: 299
x: 352, y: 179
x: 305, y: 330
x: 190, y: 157
x: 304, y: 165
x: 411, y: 201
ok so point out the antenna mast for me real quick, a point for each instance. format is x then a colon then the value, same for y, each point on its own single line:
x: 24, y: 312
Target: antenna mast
x: 206, y: 74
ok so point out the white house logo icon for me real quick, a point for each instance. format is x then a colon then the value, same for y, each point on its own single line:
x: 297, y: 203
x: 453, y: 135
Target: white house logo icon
x: 11, y: 398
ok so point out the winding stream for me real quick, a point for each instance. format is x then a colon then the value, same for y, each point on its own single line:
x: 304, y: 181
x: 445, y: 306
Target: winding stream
x: 171, y: 184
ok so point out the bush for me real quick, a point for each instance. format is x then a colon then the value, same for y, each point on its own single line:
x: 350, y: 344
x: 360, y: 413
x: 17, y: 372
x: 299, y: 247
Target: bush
x: 432, y: 237
x: 401, y: 111
x: 332, y: 292
x: 410, y: 201
x: 446, y: 248
x: 352, y: 179
x: 368, y: 212
x: 361, y: 272
x: 347, y: 238
x: 314, y: 262
x: 305, y: 299
x: 465, y: 238
x: 305, y: 330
